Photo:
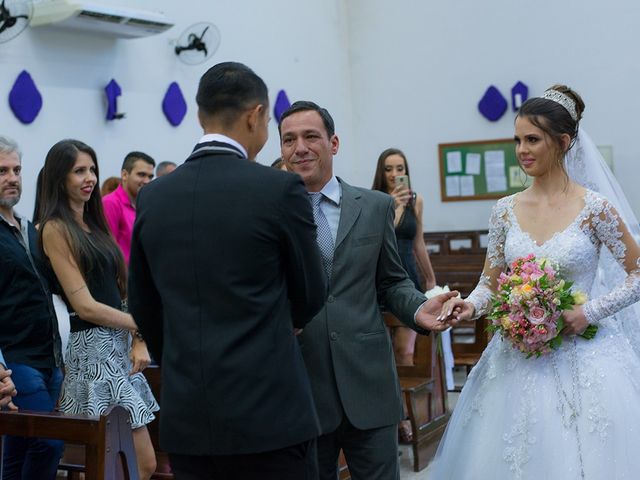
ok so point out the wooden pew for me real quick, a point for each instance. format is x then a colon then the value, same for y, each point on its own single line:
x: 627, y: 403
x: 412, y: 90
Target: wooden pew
x: 107, y: 439
x: 457, y: 259
x: 424, y: 388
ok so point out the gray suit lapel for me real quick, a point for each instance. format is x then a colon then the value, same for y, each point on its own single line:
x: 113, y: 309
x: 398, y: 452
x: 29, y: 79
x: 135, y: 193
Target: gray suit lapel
x: 349, y: 211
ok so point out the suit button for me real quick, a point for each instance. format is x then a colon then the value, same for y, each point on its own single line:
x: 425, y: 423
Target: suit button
x: 330, y: 299
x: 334, y: 335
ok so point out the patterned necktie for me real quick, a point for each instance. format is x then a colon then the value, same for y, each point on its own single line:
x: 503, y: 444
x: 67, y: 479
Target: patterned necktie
x: 323, y: 232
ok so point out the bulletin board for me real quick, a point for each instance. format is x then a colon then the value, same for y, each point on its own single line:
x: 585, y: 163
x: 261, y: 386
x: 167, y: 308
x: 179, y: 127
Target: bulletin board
x: 480, y: 170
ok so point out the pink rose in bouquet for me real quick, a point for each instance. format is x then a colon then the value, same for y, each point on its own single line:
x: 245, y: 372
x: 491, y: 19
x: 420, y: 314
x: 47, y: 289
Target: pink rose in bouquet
x: 537, y: 315
x: 527, y: 309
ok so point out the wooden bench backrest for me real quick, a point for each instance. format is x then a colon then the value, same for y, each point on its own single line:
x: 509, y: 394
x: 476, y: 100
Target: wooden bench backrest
x: 110, y: 453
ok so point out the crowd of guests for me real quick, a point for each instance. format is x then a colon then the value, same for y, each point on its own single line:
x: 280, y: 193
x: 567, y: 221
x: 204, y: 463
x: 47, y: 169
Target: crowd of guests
x: 265, y: 318
x: 84, y: 238
x: 76, y: 251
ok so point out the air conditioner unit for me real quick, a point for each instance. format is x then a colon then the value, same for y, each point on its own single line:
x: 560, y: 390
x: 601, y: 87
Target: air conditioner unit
x: 103, y: 19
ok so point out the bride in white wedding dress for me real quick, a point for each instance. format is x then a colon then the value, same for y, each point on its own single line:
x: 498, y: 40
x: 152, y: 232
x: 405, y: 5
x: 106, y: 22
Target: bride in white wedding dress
x: 575, y: 413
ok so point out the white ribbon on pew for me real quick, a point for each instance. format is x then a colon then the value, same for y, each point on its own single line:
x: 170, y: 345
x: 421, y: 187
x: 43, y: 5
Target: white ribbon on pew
x: 445, y: 337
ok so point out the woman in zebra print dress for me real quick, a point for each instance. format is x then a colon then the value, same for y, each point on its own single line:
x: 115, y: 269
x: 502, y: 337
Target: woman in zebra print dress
x: 105, y: 355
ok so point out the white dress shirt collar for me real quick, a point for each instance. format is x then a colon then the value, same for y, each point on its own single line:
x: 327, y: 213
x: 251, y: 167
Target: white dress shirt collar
x: 331, y: 190
x: 218, y: 137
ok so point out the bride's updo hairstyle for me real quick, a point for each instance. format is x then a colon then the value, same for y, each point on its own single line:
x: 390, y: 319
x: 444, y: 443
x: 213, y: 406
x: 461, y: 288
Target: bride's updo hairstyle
x: 556, y: 112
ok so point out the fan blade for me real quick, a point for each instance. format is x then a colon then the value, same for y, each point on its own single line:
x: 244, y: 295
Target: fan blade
x: 203, y: 32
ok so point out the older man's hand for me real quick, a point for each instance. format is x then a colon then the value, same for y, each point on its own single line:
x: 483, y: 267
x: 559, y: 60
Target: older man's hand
x: 427, y: 315
x: 7, y: 389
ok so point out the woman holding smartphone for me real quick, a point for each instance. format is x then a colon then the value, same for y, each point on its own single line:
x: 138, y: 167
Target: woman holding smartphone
x: 392, y: 177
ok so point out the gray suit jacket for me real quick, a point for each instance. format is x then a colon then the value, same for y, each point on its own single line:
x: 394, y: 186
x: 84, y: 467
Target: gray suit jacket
x: 346, y: 348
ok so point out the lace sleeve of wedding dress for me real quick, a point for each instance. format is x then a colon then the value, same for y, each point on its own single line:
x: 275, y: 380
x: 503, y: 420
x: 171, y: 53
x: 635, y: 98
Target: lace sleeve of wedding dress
x: 494, y: 262
x: 608, y: 229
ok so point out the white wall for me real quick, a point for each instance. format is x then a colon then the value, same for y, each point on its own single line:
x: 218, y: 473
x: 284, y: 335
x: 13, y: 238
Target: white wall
x: 419, y: 69
x: 298, y: 46
x: 407, y: 73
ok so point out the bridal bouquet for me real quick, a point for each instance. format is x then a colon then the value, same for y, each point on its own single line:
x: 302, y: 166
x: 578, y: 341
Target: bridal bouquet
x: 527, y: 310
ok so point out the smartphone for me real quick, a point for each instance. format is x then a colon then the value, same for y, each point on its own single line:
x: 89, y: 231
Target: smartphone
x: 404, y: 181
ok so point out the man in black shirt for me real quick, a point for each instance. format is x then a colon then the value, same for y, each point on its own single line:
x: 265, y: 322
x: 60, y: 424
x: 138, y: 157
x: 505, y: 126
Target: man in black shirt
x: 29, y: 338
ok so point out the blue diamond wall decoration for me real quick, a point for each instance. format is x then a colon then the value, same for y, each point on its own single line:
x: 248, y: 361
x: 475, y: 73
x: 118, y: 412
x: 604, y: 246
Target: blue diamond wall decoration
x: 492, y: 105
x: 25, y: 99
x: 173, y: 105
x: 281, y: 105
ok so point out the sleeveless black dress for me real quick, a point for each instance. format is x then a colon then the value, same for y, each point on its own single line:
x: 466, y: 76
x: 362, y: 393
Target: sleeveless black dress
x: 97, y: 361
x: 405, y: 234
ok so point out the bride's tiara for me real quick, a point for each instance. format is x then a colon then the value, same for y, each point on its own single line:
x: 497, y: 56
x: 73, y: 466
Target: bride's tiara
x: 562, y: 99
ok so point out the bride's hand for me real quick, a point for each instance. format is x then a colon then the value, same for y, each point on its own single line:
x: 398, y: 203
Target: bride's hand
x: 575, y: 323
x: 456, y: 310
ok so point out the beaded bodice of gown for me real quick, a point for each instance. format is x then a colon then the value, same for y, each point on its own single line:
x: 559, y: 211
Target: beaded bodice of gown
x: 570, y: 249
x: 575, y: 249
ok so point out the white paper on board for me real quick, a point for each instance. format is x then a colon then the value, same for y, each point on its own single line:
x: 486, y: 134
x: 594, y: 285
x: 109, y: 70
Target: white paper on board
x: 494, y: 163
x: 467, y: 189
x: 497, y: 184
x: 473, y: 164
x: 454, y: 162
x: 452, y: 185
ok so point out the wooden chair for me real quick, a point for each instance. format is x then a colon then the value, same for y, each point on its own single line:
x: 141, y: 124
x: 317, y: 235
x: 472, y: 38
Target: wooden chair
x: 424, y: 388
x: 107, y: 440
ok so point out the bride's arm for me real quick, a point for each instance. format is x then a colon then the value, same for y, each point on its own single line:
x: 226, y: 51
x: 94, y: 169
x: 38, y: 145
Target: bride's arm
x: 609, y: 228
x: 478, y: 302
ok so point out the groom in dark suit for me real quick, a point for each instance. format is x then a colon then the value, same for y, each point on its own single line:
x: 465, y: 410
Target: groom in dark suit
x: 219, y: 312
x: 346, y: 348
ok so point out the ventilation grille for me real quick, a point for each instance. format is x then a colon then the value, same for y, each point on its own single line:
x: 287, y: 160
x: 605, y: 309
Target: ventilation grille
x: 103, y: 17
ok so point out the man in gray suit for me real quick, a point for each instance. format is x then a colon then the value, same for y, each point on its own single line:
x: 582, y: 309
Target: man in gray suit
x: 346, y: 348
